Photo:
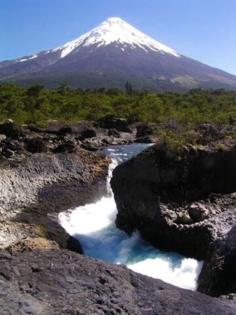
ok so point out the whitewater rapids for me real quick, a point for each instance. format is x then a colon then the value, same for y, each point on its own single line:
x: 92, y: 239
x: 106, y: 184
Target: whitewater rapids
x: 94, y: 226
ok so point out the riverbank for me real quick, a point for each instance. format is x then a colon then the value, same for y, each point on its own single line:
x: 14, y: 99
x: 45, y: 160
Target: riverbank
x: 41, y: 174
x: 46, y: 171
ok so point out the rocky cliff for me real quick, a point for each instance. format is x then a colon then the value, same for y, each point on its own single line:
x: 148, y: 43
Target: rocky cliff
x: 181, y: 200
x: 43, y: 172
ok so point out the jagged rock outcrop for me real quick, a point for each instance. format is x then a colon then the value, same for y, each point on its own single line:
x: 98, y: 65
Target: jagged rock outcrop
x: 57, y: 282
x: 180, y: 200
x: 48, y: 181
x: 41, y: 174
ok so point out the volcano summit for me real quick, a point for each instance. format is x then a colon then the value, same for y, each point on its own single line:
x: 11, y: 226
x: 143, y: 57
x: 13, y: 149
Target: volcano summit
x: 111, y: 55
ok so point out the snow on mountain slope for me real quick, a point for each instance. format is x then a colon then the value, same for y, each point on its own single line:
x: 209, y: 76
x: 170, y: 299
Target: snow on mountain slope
x: 110, y: 55
x: 115, y: 30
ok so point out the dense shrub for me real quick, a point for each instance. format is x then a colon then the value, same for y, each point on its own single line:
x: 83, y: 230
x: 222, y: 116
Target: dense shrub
x: 38, y: 104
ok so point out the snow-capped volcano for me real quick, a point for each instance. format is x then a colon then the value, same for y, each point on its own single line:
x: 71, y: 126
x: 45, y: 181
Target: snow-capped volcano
x: 115, y: 30
x: 111, y: 54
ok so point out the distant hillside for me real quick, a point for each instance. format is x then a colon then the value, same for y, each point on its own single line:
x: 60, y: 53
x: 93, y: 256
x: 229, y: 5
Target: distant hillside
x: 109, y: 56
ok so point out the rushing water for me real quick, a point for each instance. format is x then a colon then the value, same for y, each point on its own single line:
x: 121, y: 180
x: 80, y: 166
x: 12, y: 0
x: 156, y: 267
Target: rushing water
x: 94, y: 226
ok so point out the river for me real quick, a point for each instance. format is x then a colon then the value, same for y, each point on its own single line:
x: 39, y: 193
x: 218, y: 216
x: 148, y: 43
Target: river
x: 94, y: 226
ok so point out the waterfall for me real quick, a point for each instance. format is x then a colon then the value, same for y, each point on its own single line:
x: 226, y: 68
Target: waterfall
x: 94, y: 226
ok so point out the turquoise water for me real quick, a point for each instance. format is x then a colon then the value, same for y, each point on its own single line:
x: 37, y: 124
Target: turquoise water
x: 93, y: 224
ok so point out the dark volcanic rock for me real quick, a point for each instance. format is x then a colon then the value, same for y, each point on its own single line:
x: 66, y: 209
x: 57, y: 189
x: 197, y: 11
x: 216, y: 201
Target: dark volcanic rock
x: 36, y: 187
x: 43, y: 179
x: 44, y: 171
x: 83, y: 130
x: 67, y: 146
x: 111, y: 122
x: 198, y: 212
x: 143, y: 130
x: 161, y: 176
x: 218, y: 276
x: 57, y: 282
x: 167, y: 196
x: 11, y: 130
x: 36, y: 145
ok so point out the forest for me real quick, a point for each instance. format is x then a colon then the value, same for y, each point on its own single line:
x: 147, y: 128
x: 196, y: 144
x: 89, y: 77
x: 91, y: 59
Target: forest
x: 38, y: 104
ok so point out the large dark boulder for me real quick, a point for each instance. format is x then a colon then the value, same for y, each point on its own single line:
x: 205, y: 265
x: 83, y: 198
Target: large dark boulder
x: 36, y: 145
x: 66, y: 146
x: 11, y: 130
x: 58, y: 282
x: 143, y: 130
x: 112, y: 122
x: 82, y: 130
x: 182, y: 175
x: 179, y: 200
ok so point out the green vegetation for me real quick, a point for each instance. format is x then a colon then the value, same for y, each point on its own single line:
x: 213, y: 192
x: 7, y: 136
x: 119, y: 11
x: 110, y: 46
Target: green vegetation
x: 38, y: 104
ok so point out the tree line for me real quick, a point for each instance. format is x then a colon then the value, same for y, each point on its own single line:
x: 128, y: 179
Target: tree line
x: 38, y: 104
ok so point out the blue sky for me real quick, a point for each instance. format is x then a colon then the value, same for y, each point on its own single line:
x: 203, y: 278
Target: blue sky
x: 202, y: 29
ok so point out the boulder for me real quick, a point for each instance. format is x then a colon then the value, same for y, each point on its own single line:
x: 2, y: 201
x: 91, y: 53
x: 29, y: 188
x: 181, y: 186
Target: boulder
x: 112, y: 122
x: 179, y: 175
x: 82, y: 130
x: 198, y: 212
x: 143, y: 130
x: 36, y: 145
x: 179, y: 200
x: 11, y: 130
x: 67, y: 146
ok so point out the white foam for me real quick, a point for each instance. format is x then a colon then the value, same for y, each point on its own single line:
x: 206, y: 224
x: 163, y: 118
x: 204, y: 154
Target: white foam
x: 89, y: 219
x: 185, y: 275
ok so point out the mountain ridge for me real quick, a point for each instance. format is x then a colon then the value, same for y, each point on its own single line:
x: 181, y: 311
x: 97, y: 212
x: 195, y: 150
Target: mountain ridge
x: 111, y: 54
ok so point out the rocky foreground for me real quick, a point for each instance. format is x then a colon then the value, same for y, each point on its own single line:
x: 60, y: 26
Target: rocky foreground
x: 55, y: 282
x: 47, y: 170
x: 44, y: 171
x: 184, y: 200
